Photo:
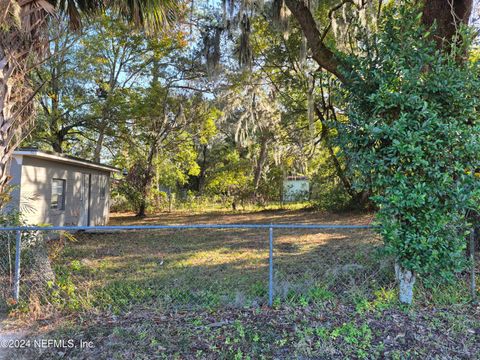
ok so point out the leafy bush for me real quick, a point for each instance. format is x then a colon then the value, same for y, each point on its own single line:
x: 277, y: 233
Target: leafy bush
x: 119, y: 203
x: 412, y: 136
x: 328, y: 194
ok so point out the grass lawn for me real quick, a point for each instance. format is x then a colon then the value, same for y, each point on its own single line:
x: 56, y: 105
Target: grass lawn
x: 203, y: 294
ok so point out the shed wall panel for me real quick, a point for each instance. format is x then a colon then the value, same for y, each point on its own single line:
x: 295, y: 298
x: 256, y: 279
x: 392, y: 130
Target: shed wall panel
x: 37, y: 176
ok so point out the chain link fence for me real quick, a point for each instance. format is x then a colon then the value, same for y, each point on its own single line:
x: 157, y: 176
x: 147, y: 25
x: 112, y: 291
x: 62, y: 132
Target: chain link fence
x: 25, y: 267
x: 186, y: 266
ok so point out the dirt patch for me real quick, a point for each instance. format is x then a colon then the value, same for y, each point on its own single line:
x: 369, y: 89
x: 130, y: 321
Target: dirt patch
x: 9, y: 338
x: 329, y: 331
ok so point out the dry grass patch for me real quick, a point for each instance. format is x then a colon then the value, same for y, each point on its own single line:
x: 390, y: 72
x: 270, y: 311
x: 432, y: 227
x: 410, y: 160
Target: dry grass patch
x: 211, y: 267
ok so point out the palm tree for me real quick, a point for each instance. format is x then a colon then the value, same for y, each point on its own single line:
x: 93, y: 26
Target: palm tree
x: 24, y: 44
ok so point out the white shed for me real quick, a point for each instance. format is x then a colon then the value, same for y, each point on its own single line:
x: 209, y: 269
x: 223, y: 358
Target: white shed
x: 51, y: 188
x: 296, y: 188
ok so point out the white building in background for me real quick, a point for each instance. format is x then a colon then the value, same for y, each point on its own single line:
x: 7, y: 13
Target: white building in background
x: 296, y: 188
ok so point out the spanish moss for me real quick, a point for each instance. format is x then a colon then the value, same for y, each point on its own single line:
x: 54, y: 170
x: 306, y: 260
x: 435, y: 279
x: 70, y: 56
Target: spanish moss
x: 245, y: 56
x: 211, y: 48
x: 280, y: 14
x: 310, y: 106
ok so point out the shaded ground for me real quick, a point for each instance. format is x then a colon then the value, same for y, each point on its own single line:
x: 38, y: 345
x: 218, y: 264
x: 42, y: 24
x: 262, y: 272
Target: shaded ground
x: 256, y: 217
x: 212, y: 267
x: 203, y: 293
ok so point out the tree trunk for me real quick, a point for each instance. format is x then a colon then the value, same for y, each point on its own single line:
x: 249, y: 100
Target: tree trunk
x: 21, y: 44
x: 98, y: 147
x: 203, y: 171
x: 406, y: 281
x: 16, y: 119
x: 170, y: 202
x: 57, y: 144
x: 340, y: 173
x: 142, y: 208
x: 147, y: 179
x: 360, y: 199
x: 447, y: 15
x: 9, y: 130
x: 260, y: 164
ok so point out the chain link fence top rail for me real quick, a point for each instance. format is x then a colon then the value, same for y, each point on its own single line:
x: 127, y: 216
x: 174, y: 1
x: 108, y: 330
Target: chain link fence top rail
x: 186, y: 266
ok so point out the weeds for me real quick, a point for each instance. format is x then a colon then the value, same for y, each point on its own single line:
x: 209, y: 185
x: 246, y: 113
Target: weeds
x: 186, y: 294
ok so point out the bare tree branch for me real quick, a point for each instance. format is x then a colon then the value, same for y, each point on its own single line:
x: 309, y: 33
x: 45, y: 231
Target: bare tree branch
x: 325, y: 57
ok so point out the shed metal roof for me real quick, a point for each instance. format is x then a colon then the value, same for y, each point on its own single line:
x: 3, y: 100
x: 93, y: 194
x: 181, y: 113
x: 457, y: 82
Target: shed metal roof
x: 296, y: 177
x: 47, y: 155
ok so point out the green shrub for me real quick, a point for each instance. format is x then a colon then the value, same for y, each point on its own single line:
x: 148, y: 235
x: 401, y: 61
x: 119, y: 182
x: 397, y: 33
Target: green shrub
x: 412, y: 136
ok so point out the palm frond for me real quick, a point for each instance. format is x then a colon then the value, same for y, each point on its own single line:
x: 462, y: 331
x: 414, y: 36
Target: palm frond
x: 75, y: 9
x: 152, y: 15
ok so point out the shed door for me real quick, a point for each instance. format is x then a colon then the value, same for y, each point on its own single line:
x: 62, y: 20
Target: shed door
x: 85, y: 200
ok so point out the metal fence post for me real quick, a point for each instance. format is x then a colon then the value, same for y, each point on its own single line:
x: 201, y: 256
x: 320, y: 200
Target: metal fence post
x: 270, y: 269
x: 473, y: 286
x: 18, y: 249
